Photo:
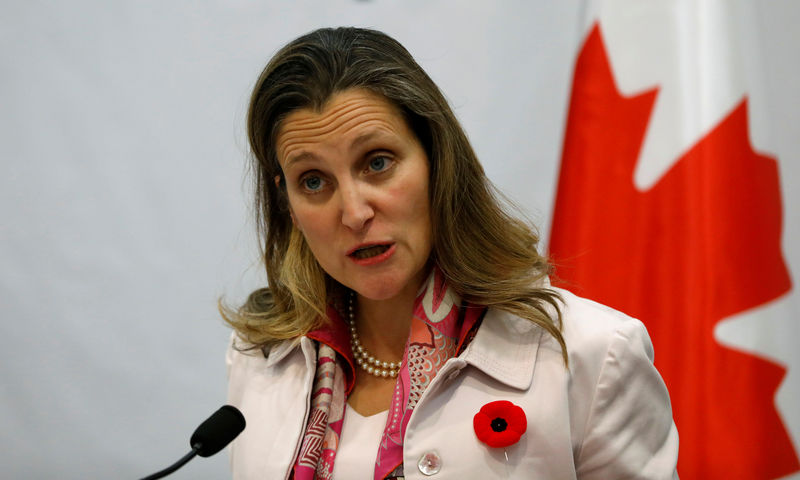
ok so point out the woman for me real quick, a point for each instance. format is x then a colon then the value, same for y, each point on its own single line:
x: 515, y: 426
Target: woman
x: 403, y: 300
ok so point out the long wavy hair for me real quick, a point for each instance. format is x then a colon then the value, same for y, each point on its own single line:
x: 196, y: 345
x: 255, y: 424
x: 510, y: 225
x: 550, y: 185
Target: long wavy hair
x: 488, y: 256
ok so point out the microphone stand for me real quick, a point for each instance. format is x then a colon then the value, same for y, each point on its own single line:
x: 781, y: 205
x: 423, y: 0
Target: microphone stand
x: 183, y: 461
x: 210, y: 437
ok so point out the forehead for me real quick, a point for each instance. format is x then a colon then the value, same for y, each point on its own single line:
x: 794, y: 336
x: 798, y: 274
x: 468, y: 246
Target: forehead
x: 346, y: 118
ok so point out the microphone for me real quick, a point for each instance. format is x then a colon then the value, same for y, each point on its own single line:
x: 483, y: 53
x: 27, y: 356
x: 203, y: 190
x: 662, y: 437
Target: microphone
x: 210, y: 437
x: 217, y: 431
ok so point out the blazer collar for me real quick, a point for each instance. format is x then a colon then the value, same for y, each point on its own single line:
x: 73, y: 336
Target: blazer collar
x: 505, y: 348
x: 334, y: 333
x: 279, y: 351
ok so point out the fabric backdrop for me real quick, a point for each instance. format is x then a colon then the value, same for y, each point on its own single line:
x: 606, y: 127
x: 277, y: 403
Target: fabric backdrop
x: 125, y: 209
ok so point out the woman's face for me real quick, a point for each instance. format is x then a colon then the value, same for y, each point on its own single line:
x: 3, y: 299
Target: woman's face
x: 357, y: 181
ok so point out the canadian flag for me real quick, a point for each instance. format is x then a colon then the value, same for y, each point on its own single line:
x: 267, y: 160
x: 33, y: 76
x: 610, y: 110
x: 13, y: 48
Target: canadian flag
x: 667, y: 211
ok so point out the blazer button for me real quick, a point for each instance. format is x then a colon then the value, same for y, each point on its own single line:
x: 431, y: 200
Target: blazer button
x: 430, y: 463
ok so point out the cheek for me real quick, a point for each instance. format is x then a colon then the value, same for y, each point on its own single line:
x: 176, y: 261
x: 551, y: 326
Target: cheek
x: 420, y: 200
x: 415, y: 208
x: 312, y: 222
x: 298, y: 211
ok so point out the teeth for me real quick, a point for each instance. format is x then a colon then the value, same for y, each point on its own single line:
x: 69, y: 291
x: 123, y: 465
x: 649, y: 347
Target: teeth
x: 370, y: 251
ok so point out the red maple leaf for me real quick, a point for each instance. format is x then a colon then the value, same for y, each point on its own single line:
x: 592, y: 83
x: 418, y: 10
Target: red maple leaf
x: 699, y: 246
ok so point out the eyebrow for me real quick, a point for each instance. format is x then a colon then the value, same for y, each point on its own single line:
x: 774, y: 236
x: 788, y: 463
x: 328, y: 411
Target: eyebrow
x: 300, y: 157
x: 366, y: 137
x: 356, y: 143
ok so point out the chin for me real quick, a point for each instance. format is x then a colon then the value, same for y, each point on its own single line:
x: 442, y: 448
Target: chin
x: 386, y: 287
x: 378, y: 292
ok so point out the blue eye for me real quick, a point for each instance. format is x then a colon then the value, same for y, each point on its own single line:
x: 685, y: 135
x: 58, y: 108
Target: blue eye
x: 312, y: 183
x: 378, y: 164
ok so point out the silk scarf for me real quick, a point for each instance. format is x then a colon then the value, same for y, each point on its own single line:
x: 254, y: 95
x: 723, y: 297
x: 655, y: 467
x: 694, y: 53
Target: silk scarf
x: 440, y: 329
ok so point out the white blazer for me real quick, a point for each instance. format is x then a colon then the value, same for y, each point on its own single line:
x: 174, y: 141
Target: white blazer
x: 607, y: 417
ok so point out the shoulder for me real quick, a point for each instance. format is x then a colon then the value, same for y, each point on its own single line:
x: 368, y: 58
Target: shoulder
x: 626, y: 426
x: 250, y: 368
x: 604, y: 346
x: 240, y: 352
x: 592, y: 330
x: 270, y: 390
x: 608, y: 351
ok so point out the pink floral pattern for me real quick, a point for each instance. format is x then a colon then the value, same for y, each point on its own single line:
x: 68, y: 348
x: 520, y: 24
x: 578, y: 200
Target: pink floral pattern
x: 318, y: 450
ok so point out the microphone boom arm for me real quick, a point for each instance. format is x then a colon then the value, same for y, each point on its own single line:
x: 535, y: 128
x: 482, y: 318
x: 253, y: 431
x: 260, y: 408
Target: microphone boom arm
x: 183, y: 461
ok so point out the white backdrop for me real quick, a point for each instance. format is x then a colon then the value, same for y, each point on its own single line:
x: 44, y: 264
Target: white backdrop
x: 125, y: 209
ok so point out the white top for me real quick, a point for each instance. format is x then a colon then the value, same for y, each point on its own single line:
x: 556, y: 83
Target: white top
x: 358, y: 445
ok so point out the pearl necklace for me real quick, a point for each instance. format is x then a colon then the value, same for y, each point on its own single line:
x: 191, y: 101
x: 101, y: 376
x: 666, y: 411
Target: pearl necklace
x: 365, y: 360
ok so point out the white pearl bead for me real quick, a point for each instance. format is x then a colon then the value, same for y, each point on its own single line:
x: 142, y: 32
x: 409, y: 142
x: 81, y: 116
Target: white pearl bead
x: 370, y: 364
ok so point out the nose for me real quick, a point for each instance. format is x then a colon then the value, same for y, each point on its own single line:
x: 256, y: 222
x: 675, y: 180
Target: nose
x: 356, y: 208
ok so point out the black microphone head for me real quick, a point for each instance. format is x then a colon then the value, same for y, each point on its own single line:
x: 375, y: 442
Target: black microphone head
x: 217, y: 431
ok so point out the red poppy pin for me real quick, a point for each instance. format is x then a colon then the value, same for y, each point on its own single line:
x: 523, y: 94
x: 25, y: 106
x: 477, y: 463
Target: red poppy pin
x: 500, y: 424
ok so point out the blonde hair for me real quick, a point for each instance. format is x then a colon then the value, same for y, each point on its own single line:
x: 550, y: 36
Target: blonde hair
x: 488, y: 256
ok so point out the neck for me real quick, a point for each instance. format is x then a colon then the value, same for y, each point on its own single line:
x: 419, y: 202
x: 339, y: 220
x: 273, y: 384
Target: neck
x: 383, y: 325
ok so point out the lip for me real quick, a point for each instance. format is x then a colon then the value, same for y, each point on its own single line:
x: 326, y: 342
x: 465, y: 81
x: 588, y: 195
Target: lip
x: 372, y: 260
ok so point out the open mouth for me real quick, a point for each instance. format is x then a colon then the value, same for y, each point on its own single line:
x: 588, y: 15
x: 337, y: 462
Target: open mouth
x: 368, y: 252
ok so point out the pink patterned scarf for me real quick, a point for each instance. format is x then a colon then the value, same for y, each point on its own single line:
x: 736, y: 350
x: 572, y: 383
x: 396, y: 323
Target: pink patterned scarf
x: 440, y: 329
